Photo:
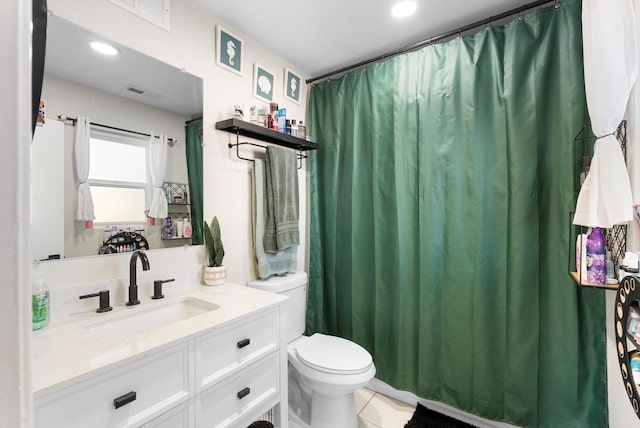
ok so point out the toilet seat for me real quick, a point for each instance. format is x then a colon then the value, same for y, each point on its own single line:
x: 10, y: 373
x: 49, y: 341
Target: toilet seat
x: 335, y: 355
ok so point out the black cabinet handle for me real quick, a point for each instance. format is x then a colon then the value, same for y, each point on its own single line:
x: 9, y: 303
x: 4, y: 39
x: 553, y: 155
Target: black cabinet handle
x: 125, y: 399
x: 243, y: 393
x: 243, y: 343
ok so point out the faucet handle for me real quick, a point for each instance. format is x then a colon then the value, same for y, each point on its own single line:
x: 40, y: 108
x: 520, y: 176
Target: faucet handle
x: 157, y: 287
x: 104, y: 305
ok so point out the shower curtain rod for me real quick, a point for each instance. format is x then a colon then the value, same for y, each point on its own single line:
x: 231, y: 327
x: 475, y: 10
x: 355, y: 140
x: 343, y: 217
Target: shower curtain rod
x: 435, y: 39
x: 73, y: 120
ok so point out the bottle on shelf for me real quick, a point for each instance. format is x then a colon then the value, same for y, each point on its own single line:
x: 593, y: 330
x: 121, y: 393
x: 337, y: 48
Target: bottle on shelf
x: 596, y: 257
x: 167, y: 228
x: 187, y: 230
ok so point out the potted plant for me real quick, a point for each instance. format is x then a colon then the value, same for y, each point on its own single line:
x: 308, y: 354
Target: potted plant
x: 214, y: 273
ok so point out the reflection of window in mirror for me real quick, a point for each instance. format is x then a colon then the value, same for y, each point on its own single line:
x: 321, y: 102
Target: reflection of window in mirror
x: 118, y: 177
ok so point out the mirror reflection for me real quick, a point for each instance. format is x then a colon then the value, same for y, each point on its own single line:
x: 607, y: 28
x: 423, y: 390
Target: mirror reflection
x: 141, y: 185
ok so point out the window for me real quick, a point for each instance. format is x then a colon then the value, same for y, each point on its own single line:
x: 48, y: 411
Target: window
x: 118, y: 176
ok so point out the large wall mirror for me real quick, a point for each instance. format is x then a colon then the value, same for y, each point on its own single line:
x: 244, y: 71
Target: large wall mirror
x: 125, y: 96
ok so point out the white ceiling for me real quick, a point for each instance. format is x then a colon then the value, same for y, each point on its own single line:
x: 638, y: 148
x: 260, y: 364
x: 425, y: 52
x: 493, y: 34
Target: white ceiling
x: 68, y: 56
x: 317, y: 37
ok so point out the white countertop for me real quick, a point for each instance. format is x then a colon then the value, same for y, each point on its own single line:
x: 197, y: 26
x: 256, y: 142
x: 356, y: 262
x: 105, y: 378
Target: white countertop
x: 66, y: 353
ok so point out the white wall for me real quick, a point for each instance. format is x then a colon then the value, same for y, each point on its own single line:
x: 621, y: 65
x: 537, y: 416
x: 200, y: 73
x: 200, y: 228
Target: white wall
x: 190, y: 45
x: 47, y: 190
x: 15, y: 110
x: 71, y: 99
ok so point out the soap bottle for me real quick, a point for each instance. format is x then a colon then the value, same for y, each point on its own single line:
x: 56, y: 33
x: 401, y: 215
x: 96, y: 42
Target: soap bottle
x: 596, y: 254
x: 39, y: 300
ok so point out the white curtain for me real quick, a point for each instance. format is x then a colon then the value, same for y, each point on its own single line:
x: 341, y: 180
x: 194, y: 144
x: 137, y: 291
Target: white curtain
x: 158, y: 151
x: 610, y: 70
x: 84, y: 201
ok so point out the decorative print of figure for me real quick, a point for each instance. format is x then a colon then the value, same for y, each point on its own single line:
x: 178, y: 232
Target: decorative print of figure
x: 293, y: 85
x: 231, y: 51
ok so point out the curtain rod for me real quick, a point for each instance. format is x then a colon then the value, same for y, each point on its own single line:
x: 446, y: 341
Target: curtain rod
x: 73, y: 120
x: 193, y: 120
x: 436, y: 39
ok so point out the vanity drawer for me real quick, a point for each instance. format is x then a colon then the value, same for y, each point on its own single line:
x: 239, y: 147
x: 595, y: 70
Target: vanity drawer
x: 219, y: 354
x: 240, y: 398
x: 142, y: 391
x: 180, y: 417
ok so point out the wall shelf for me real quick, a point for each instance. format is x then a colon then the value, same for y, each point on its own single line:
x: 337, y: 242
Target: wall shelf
x: 250, y: 130
x: 584, y: 283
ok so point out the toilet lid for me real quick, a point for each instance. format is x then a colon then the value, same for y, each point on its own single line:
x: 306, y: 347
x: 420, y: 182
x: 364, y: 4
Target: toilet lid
x: 332, y: 354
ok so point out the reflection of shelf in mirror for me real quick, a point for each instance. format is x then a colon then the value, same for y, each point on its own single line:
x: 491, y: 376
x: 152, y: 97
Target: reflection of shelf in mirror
x: 584, y: 283
x: 175, y: 238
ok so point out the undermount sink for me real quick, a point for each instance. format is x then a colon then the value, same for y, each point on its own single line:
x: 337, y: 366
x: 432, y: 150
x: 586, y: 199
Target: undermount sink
x: 144, y: 320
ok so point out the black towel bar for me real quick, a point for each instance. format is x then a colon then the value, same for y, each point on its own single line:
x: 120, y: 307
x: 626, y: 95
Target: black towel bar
x: 299, y: 155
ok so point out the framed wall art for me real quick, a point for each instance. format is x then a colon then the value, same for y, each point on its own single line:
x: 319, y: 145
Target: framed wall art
x: 292, y: 85
x: 263, y: 83
x: 229, y: 50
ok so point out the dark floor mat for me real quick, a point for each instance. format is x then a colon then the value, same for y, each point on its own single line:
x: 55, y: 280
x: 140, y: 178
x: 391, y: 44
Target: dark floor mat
x: 426, y: 418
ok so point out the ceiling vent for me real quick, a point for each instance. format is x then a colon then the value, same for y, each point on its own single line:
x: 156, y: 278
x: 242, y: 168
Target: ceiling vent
x: 144, y: 92
x: 154, y: 11
x: 136, y: 90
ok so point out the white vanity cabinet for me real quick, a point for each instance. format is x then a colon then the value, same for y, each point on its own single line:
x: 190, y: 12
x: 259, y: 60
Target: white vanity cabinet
x: 238, y: 372
x: 179, y: 417
x: 141, y: 391
x: 225, y: 375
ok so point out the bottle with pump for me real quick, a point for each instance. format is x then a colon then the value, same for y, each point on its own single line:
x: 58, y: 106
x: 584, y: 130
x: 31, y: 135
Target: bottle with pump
x: 39, y: 300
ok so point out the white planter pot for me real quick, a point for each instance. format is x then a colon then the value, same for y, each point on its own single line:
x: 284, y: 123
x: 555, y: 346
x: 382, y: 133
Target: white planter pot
x: 214, y: 275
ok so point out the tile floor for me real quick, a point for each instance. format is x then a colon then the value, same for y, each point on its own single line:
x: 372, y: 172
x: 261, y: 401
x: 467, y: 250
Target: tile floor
x: 379, y: 411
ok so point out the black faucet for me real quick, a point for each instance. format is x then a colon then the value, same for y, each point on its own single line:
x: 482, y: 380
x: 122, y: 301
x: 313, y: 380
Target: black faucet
x: 133, y: 287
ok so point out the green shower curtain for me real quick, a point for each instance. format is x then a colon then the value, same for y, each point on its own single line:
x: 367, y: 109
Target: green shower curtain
x: 193, y: 130
x: 439, y: 223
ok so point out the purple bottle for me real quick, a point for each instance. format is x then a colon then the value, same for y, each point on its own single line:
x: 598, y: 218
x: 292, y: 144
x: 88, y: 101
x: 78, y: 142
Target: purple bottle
x: 596, y: 257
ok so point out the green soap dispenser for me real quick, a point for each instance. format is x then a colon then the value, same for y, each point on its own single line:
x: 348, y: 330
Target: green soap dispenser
x: 39, y: 299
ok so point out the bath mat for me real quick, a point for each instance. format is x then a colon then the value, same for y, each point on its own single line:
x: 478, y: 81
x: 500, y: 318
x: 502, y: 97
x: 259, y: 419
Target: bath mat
x: 426, y: 418
x: 261, y: 424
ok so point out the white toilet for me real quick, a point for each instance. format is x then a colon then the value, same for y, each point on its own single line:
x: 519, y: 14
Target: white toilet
x: 324, y: 371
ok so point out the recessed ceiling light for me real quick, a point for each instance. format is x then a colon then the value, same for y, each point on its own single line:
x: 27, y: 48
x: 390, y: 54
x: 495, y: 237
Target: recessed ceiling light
x: 104, y: 48
x: 404, y: 8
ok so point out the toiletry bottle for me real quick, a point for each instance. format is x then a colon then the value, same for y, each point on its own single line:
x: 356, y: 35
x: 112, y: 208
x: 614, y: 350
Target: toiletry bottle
x: 167, y: 228
x: 187, y: 229
x: 169, y: 195
x: 39, y: 300
x: 302, y: 131
x: 596, y: 253
x: 610, y: 269
x: 282, y: 120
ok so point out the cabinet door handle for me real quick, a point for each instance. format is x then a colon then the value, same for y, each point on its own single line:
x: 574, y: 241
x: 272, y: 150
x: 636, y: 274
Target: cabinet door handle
x: 243, y: 393
x: 243, y: 343
x: 125, y: 399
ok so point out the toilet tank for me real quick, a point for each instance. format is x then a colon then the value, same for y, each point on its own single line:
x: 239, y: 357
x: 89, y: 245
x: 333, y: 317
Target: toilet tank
x: 294, y: 310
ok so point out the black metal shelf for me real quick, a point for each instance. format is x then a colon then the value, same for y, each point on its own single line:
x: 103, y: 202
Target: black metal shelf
x: 250, y: 130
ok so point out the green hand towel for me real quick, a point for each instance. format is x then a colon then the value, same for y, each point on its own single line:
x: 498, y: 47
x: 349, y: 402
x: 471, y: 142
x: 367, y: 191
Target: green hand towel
x: 281, y: 176
x: 266, y: 264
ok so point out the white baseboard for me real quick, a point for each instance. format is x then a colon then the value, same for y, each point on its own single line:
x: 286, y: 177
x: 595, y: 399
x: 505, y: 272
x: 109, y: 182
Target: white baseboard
x: 411, y: 399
